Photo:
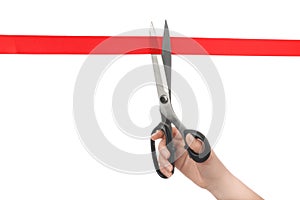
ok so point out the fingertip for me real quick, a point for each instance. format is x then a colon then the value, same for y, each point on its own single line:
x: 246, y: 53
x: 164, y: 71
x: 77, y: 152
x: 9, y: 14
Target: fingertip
x: 165, y: 172
x: 170, y: 168
x: 169, y: 174
x: 156, y: 135
x: 175, y: 131
x: 153, y: 135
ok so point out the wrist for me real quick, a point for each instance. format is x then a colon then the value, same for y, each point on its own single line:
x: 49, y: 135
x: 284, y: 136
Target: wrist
x: 230, y: 187
x: 214, y: 174
x: 219, y: 187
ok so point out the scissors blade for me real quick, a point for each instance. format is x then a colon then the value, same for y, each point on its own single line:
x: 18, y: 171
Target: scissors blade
x: 159, y: 72
x: 166, y: 54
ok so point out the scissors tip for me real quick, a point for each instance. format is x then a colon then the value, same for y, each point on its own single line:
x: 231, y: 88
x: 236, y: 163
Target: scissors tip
x: 166, y: 24
x: 151, y: 24
x: 152, y: 29
x: 166, y: 46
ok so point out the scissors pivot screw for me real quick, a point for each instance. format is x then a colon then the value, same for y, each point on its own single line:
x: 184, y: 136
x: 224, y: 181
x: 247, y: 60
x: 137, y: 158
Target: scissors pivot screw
x: 163, y: 99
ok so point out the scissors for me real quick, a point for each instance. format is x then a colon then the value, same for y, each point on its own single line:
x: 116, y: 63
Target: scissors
x: 162, y: 76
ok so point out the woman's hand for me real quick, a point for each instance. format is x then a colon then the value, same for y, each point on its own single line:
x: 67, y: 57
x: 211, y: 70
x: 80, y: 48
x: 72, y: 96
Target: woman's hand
x: 211, y: 174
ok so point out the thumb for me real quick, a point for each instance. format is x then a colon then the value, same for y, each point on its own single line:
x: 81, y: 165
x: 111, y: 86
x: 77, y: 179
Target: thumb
x: 194, y: 143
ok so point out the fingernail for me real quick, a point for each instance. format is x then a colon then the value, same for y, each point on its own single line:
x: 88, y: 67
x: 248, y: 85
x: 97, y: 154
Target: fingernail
x: 170, y: 167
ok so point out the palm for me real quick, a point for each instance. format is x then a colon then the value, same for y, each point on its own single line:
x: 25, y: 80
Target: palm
x: 184, y: 163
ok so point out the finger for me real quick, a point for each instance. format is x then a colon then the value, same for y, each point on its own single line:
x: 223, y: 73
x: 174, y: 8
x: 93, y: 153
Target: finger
x: 176, y: 134
x: 163, y: 150
x: 158, y: 134
x: 165, y: 164
x: 165, y: 172
x: 164, y: 154
x: 195, y: 144
x: 177, y: 139
x: 175, y: 131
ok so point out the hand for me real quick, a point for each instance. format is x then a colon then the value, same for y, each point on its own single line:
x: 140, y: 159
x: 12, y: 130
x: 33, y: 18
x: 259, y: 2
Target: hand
x: 211, y: 174
x: 200, y: 173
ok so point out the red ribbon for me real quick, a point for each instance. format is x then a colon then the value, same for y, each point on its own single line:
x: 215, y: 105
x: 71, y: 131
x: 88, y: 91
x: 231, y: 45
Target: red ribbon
x: 20, y: 44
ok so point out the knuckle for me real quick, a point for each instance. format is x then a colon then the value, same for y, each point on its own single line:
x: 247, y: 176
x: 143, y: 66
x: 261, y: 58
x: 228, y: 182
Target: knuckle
x: 161, y: 145
x: 165, y: 153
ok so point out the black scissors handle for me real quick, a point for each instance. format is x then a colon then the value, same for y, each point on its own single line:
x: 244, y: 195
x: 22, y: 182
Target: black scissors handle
x: 167, y: 129
x: 197, y: 157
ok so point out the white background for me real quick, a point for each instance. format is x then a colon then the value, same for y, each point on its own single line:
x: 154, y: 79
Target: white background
x: 41, y: 156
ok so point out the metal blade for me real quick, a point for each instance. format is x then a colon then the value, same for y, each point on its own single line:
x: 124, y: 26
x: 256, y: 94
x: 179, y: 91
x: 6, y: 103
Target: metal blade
x: 159, y: 72
x: 166, y: 54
